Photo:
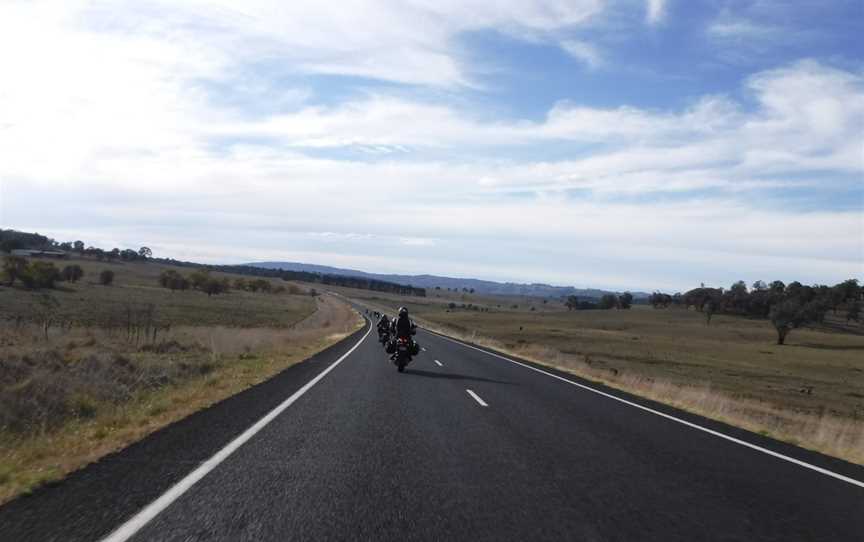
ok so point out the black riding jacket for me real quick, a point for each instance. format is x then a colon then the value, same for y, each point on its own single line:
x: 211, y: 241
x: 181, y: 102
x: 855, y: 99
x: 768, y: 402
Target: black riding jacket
x: 403, y: 326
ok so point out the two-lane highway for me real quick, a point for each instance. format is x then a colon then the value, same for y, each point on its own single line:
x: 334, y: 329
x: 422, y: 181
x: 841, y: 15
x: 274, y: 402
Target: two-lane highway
x: 463, y: 445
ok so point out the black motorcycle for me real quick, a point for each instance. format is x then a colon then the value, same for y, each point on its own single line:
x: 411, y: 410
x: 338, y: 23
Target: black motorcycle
x: 402, y: 353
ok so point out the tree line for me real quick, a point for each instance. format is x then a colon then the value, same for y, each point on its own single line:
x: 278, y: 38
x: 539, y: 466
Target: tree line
x: 305, y: 276
x: 606, y: 302
x: 203, y: 281
x: 12, y: 239
x: 788, y: 306
x: 37, y: 274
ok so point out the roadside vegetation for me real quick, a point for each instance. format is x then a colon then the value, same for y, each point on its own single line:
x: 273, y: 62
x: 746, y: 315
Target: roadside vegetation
x: 94, y: 354
x: 719, y: 362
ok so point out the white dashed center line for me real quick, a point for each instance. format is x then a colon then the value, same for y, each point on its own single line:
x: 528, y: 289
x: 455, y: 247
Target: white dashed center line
x: 477, y: 398
x: 439, y: 363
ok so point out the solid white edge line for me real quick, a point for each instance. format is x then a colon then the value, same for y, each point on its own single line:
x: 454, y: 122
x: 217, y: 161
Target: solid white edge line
x: 142, y: 518
x: 778, y: 455
x: 477, y: 398
x: 439, y: 363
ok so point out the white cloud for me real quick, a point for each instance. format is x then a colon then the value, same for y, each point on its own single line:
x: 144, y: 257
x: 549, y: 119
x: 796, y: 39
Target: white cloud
x: 112, y: 128
x: 584, y: 52
x: 655, y: 11
x: 741, y: 29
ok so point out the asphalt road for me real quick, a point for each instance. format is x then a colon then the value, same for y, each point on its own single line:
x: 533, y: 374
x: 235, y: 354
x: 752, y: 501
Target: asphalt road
x: 463, y: 445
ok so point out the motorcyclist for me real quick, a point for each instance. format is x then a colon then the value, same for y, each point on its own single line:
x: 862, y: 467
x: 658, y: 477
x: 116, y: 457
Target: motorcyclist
x: 383, y: 325
x: 403, y: 327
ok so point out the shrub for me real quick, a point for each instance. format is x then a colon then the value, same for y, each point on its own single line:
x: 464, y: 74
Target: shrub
x: 72, y: 273
x: 13, y: 268
x: 40, y: 275
x: 215, y: 286
x: 199, y: 279
x: 260, y: 284
x: 106, y: 277
x: 173, y: 280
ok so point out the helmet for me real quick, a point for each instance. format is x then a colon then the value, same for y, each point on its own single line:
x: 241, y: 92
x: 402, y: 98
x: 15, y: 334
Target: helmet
x: 403, y: 311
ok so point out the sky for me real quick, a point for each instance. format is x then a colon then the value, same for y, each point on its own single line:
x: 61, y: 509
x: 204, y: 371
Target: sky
x: 621, y: 144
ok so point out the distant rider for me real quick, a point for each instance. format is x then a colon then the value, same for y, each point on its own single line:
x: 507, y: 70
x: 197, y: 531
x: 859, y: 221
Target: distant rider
x: 383, y: 325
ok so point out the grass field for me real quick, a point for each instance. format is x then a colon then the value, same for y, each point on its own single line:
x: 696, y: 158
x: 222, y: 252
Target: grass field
x: 90, y: 386
x: 810, y: 391
x: 136, y: 284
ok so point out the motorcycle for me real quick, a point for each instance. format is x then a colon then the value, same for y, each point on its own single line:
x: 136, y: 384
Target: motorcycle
x: 383, y: 337
x: 402, y: 354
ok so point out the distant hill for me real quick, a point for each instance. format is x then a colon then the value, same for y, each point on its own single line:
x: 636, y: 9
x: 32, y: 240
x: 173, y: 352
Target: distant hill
x: 431, y: 281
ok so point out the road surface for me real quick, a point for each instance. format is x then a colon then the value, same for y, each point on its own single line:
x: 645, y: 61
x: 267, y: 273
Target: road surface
x: 464, y: 445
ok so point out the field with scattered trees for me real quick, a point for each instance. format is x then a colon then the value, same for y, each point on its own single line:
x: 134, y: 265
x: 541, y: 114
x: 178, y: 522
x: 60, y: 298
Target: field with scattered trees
x: 97, y: 353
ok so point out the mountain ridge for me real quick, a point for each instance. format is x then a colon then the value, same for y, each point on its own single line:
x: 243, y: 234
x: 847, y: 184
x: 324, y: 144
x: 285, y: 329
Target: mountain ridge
x: 431, y: 281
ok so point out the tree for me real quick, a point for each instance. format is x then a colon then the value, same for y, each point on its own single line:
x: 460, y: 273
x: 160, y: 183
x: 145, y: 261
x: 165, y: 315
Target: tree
x: 708, y: 310
x: 106, y: 277
x: 853, y: 314
x: 13, y: 268
x: 40, y: 275
x: 608, y: 301
x: 760, y: 285
x: 792, y: 313
x: 778, y: 287
x: 8, y: 245
x: 260, y: 284
x: 659, y: 299
x: 72, y: 273
x: 173, y: 280
x: 850, y: 290
x: 145, y: 253
x: 198, y: 279
x: 45, y: 312
x: 214, y: 286
x: 572, y: 302
x: 79, y: 246
x: 625, y: 300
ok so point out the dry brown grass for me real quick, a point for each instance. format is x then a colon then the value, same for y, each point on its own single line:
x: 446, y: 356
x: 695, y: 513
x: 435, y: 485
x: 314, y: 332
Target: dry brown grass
x: 810, y: 392
x: 136, y: 286
x: 88, y: 404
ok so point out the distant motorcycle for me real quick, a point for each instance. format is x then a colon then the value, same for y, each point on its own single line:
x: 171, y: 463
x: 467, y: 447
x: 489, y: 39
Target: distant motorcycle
x: 383, y: 337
